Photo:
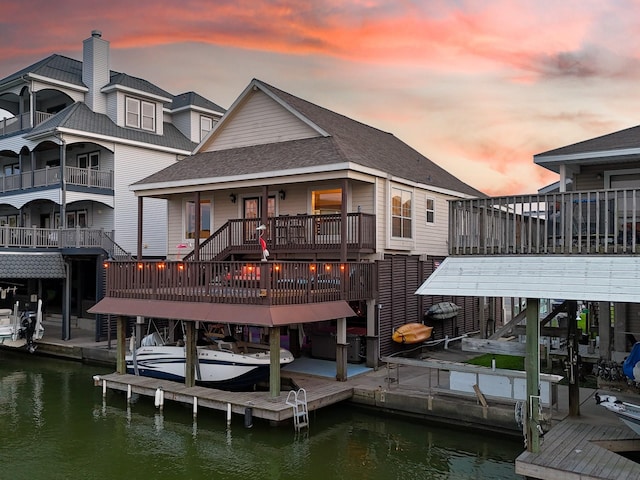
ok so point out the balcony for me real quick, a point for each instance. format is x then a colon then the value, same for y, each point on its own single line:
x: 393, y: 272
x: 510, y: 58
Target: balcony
x: 251, y: 283
x: 50, y: 176
x: 54, y: 238
x: 291, y: 234
x: 22, y: 122
x: 588, y: 222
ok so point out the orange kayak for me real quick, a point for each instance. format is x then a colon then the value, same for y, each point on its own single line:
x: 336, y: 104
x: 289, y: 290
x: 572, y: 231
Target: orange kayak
x: 412, y: 333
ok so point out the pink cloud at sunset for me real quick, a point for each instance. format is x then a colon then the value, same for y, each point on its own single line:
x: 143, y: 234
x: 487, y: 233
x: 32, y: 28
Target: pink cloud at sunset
x: 478, y: 87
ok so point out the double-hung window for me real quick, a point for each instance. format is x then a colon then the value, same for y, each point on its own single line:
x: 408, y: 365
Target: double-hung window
x: 140, y: 114
x: 430, y: 210
x: 205, y: 219
x: 206, y: 124
x: 401, y: 205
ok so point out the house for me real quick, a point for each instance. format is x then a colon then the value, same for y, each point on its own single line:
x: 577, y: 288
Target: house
x: 347, y: 212
x: 578, y: 242
x: 77, y: 134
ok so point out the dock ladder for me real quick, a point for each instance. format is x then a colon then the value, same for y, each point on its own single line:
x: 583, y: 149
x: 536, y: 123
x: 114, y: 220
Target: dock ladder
x: 298, y: 400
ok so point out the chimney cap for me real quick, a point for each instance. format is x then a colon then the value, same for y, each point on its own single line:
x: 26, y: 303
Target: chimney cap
x: 96, y: 33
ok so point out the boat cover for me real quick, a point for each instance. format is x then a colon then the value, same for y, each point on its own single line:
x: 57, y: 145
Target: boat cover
x: 631, y: 360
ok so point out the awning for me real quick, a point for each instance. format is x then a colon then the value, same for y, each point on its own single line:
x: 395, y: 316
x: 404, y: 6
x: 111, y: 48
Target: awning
x: 31, y: 265
x: 261, y: 315
x: 605, y: 278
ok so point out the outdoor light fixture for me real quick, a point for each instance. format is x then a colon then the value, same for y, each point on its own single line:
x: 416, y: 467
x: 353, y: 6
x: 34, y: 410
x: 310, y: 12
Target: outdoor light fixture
x: 232, y: 197
x: 282, y: 194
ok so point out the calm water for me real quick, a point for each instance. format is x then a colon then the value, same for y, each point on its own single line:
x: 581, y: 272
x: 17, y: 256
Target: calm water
x: 55, y: 425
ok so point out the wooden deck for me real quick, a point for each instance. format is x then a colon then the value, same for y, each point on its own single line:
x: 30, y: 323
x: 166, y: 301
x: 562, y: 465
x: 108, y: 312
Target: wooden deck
x: 580, y: 450
x: 321, y: 392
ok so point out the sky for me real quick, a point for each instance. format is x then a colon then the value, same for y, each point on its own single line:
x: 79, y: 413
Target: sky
x: 478, y: 87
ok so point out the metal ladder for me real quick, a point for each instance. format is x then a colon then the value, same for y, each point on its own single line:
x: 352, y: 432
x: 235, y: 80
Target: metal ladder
x: 298, y: 401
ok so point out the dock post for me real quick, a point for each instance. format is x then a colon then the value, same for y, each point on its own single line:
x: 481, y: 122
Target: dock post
x: 195, y: 406
x: 228, y: 414
x: 533, y: 374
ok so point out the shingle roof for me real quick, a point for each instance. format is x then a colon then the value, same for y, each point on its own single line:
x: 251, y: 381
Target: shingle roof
x: 137, y: 84
x: 622, y: 139
x: 192, y: 98
x: 80, y: 117
x: 55, y: 66
x: 31, y: 265
x: 349, y: 141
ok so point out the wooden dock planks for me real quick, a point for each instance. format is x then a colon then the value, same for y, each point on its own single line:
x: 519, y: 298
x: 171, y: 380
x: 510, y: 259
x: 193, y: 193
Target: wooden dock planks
x: 573, y: 450
x: 320, y: 393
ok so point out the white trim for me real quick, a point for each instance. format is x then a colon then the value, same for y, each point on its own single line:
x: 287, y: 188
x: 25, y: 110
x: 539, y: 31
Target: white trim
x: 613, y: 173
x: 59, y: 83
x: 586, y: 155
x: 137, y: 93
x: 604, y: 278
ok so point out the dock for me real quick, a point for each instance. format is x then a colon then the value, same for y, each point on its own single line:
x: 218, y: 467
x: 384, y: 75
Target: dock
x: 320, y: 393
x: 576, y: 449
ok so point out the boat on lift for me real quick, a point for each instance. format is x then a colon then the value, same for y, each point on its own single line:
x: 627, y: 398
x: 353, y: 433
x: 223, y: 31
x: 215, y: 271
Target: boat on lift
x: 628, y: 413
x: 224, y: 363
x: 21, y: 328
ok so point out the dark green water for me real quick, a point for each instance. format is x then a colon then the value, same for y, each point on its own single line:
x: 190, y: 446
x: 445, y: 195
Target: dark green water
x: 55, y: 425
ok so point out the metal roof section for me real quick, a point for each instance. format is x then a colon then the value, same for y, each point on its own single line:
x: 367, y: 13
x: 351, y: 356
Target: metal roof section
x: 192, y: 99
x: 79, y: 117
x: 611, y: 278
x: 57, y: 67
x: 260, y: 315
x: 136, y: 84
x: 31, y: 265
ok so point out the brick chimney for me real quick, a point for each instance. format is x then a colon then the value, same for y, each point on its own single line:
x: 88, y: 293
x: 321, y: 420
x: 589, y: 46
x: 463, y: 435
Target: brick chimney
x: 95, y: 70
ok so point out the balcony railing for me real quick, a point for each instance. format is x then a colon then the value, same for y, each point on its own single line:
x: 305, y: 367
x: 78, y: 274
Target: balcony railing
x: 25, y: 237
x: 588, y: 222
x: 22, y: 122
x: 290, y: 234
x: 256, y: 283
x: 44, y: 177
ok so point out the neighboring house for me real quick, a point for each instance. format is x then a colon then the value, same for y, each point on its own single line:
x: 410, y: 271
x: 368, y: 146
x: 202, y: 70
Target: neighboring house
x: 78, y: 136
x: 350, y: 213
x: 577, y: 243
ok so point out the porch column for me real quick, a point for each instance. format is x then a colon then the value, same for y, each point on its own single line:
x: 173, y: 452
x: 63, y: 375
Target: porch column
x: 140, y: 217
x: 343, y: 222
x: 121, y: 344
x: 532, y: 366
x: 66, y: 307
x: 619, y: 327
x: 604, y: 329
x: 191, y: 354
x: 198, y: 227
x: 32, y: 109
x: 341, y: 350
x: 274, y: 363
x: 372, y: 337
x: 574, y: 367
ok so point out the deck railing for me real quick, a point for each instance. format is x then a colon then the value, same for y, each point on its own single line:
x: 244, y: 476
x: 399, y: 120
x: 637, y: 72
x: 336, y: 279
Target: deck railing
x: 30, y: 237
x: 259, y: 283
x: 291, y: 233
x: 22, y: 122
x: 85, y: 177
x: 587, y: 222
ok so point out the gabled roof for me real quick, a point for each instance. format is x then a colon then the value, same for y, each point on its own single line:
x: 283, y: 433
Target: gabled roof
x: 620, y: 140
x: 343, y: 141
x: 135, y: 83
x: 78, y: 116
x: 192, y: 98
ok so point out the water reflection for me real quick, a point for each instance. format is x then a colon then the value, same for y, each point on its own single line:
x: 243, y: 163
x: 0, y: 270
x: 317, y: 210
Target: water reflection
x: 53, y: 408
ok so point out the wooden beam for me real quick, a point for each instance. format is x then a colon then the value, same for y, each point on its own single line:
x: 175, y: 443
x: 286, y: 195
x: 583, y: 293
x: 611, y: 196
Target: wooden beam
x: 274, y: 366
x: 498, y: 347
x: 121, y: 344
x: 191, y: 354
x: 480, y: 396
x: 507, y: 327
x: 532, y: 367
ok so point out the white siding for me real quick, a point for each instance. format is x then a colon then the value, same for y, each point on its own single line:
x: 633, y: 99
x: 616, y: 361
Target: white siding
x: 258, y: 121
x: 182, y: 122
x: 76, y: 96
x: 134, y: 164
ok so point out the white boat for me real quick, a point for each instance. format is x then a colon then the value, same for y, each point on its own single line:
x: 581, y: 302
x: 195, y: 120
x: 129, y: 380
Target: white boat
x: 224, y: 364
x: 21, y: 329
x: 628, y: 413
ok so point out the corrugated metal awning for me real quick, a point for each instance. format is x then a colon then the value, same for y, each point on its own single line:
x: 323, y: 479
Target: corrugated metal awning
x: 261, y: 315
x: 610, y: 278
x: 31, y: 265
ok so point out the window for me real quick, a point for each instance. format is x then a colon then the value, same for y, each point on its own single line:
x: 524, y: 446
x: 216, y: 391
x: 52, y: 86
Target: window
x: 89, y: 160
x: 140, y: 114
x: 430, y: 210
x: 205, y: 219
x: 400, y: 213
x: 12, y: 169
x: 326, y: 202
x: 206, y: 124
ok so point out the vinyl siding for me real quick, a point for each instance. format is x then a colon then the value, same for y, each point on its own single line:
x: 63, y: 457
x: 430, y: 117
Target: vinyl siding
x: 260, y: 120
x: 134, y: 164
